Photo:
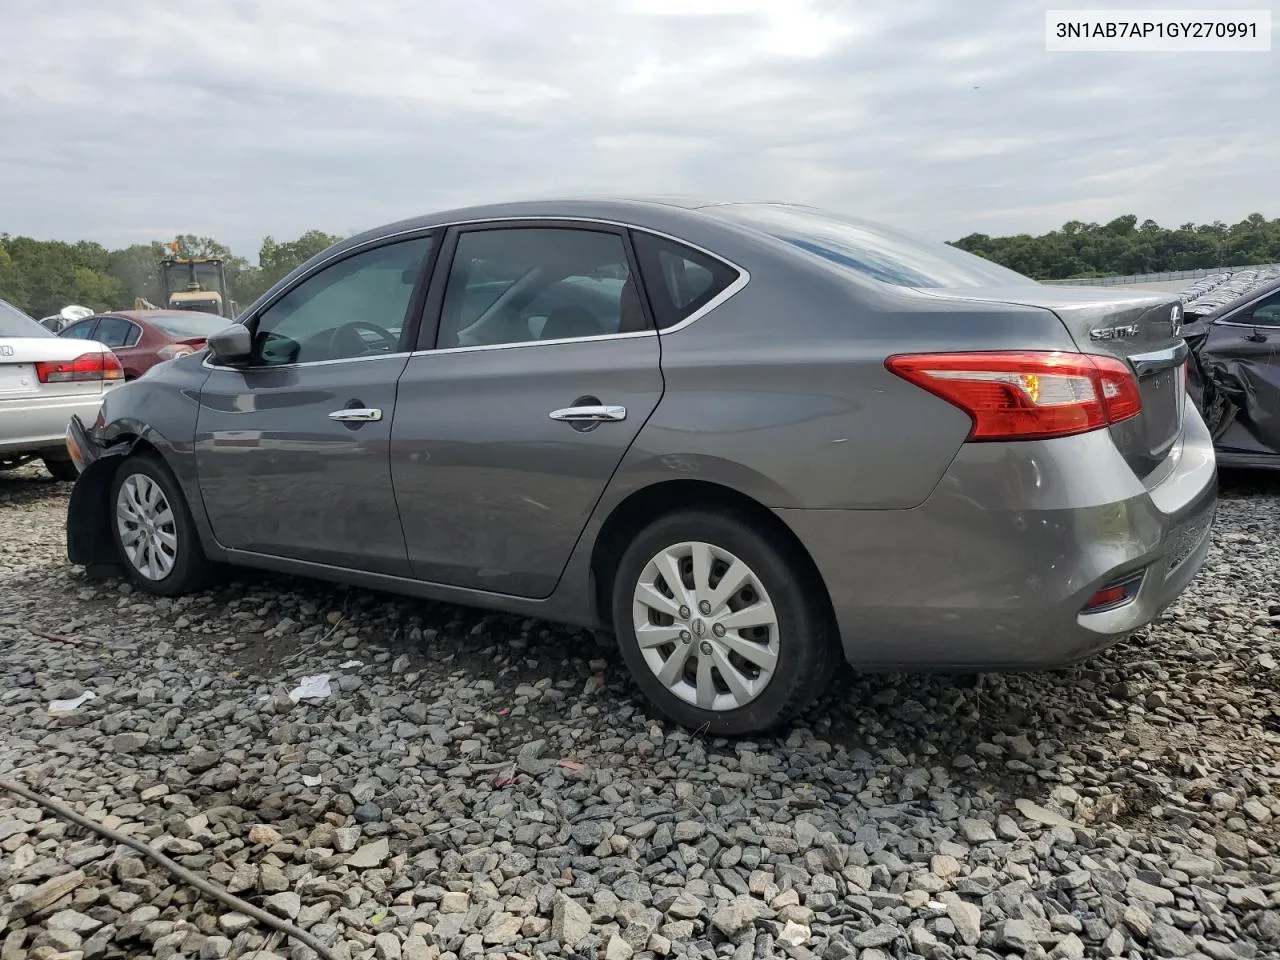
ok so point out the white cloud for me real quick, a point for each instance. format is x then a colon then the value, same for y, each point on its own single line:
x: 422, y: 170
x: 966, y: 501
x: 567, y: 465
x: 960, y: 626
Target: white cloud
x: 242, y: 118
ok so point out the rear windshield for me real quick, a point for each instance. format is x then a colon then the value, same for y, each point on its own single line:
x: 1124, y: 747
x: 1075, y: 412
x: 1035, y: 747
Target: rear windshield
x: 195, y: 325
x: 15, y: 323
x: 875, y: 251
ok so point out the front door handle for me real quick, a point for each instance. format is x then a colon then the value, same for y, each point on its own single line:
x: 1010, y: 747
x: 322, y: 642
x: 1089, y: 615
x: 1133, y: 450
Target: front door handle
x: 589, y: 414
x: 356, y: 415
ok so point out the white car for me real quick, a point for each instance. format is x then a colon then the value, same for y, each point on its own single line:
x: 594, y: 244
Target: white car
x: 44, y: 379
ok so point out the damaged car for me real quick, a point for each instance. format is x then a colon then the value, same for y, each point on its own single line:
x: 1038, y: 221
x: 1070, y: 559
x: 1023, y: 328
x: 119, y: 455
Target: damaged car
x: 1234, y: 376
x: 750, y: 440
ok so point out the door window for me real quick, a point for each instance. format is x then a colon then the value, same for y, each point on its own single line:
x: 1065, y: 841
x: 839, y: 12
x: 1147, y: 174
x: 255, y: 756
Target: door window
x: 1266, y: 313
x: 114, y: 331
x: 680, y: 280
x: 524, y: 284
x: 82, y: 330
x: 353, y: 308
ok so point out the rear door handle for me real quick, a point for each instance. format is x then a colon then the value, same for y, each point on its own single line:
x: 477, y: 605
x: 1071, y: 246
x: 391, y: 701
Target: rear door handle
x: 591, y: 414
x: 356, y: 415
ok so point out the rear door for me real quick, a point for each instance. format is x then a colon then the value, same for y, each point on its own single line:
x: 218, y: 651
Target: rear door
x: 292, y: 449
x: 512, y: 419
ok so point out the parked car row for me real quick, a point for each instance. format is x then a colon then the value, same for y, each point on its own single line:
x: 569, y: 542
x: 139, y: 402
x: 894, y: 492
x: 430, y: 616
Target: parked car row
x: 1210, y: 293
x: 749, y: 439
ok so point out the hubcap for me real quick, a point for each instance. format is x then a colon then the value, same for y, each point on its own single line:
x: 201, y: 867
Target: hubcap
x: 699, y: 592
x: 147, y: 530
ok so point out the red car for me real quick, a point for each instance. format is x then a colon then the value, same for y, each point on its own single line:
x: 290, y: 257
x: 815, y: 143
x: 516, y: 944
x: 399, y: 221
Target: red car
x: 143, y: 338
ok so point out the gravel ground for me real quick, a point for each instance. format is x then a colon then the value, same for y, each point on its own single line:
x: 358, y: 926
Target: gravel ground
x: 485, y: 786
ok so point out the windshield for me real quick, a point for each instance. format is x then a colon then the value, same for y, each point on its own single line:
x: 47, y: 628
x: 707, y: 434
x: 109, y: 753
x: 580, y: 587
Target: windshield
x: 195, y: 324
x: 889, y: 256
x: 180, y: 276
x: 15, y: 323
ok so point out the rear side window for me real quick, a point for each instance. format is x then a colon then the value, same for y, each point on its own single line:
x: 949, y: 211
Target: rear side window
x: 80, y: 331
x: 680, y: 280
x: 1266, y: 313
x: 114, y: 332
x: 870, y: 249
x: 15, y: 323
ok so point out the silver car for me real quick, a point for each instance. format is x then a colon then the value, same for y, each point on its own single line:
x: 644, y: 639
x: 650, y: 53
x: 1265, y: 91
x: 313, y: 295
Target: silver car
x: 751, y: 439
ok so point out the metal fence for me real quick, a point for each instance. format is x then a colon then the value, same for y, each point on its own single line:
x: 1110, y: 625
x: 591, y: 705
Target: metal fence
x: 1159, y: 277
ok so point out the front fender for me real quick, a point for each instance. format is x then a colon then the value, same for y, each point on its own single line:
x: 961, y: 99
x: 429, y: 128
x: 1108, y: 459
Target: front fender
x: 90, y: 541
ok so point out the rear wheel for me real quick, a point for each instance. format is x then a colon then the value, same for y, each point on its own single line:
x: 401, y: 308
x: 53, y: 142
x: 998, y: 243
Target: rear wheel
x: 722, y: 626
x: 154, y: 531
x: 62, y: 470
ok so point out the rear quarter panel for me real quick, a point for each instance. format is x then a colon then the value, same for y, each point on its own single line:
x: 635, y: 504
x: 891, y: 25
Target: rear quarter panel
x: 782, y: 393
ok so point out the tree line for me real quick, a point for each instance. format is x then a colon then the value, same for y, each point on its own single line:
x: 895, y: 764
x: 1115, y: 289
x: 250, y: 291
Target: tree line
x: 1123, y: 247
x: 43, y: 276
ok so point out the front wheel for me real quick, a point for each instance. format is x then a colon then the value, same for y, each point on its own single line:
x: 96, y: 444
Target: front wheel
x: 154, y: 532
x: 721, y: 625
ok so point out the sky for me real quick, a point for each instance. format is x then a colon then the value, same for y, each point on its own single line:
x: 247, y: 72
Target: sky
x: 123, y: 121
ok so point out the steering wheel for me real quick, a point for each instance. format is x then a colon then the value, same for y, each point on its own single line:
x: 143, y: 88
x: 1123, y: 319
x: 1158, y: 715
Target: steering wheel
x: 345, y: 341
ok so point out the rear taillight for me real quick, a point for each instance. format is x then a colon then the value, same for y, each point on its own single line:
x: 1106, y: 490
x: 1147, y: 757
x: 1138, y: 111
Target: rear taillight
x: 174, y: 350
x: 1027, y: 395
x: 87, y: 366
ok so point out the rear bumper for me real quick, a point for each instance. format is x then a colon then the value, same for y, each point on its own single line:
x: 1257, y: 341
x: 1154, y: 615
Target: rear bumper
x: 992, y: 572
x: 40, y: 425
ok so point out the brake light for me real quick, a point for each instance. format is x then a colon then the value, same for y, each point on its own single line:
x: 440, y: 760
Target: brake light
x: 174, y: 350
x: 87, y: 366
x: 1027, y: 395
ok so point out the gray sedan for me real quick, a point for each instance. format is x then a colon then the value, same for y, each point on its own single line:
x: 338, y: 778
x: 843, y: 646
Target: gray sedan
x: 750, y: 439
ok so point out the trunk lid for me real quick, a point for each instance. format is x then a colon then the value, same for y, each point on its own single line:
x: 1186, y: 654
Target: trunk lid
x: 19, y: 356
x: 1143, y: 329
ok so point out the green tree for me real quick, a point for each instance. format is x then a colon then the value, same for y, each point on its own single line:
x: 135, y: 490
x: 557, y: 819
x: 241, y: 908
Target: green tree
x: 13, y: 286
x: 1081, y: 250
x: 138, y: 269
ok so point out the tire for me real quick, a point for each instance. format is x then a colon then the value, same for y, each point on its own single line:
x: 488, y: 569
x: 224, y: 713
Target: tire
x: 174, y: 563
x: 800, y: 636
x: 63, y: 471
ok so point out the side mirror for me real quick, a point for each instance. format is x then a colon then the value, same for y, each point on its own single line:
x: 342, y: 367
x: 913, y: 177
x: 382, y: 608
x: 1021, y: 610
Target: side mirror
x: 231, y: 346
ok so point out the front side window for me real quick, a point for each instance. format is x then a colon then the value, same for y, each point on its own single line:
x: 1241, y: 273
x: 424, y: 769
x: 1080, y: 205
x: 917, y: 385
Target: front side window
x: 680, y: 280
x: 874, y: 251
x: 80, y: 331
x: 523, y: 284
x: 114, y: 331
x: 1266, y: 313
x: 353, y: 308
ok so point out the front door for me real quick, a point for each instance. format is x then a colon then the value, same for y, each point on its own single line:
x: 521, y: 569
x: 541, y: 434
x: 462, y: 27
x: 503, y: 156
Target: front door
x: 544, y: 369
x: 1241, y: 355
x: 292, y: 449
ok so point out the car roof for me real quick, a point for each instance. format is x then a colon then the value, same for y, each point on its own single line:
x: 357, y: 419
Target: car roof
x: 653, y: 211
